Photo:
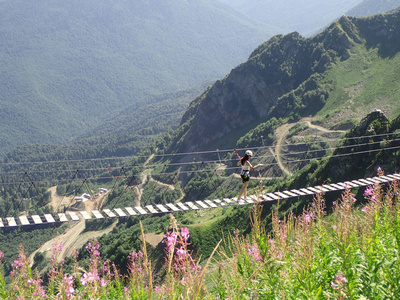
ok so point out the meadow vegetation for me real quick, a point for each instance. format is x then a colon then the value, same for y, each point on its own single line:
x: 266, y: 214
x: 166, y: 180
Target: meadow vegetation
x: 347, y: 252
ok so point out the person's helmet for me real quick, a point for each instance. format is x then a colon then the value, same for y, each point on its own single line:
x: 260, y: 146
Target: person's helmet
x: 249, y: 153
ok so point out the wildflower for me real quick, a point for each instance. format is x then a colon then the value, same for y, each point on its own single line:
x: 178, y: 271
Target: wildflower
x: 365, y: 209
x: 185, y: 233
x: 181, y: 253
x: 69, y: 286
x: 368, y: 192
x: 334, y: 203
x: 334, y: 285
x: 307, y: 218
x: 341, y: 279
x: 170, y: 240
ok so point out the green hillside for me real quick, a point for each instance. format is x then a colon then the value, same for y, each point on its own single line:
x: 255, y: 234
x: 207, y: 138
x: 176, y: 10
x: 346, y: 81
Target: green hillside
x: 65, y: 67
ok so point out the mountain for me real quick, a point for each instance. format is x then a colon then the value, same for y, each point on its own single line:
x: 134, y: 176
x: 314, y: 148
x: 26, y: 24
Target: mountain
x: 330, y: 82
x: 340, y: 74
x: 67, y: 66
x: 304, y: 16
x: 373, y: 7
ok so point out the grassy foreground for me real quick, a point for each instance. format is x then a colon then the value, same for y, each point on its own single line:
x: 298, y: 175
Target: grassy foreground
x: 352, y: 253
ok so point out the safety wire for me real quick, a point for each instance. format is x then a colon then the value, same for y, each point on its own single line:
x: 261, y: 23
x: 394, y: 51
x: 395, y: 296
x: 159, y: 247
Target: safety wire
x: 181, y: 154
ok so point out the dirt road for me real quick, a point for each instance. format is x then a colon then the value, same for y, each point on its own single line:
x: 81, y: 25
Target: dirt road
x: 281, y: 133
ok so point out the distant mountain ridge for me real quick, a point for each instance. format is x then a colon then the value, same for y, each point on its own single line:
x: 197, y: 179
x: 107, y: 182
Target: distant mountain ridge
x: 304, y: 16
x: 373, y: 7
x: 287, y: 78
x: 65, y: 66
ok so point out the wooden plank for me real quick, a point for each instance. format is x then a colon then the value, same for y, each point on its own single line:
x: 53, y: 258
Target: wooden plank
x: 109, y: 213
x: 152, y: 209
x: 120, y: 212
x: 24, y: 220
x: 281, y: 195
x: 359, y: 182
x: 61, y: 216
x: 316, y: 189
x: 202, y: 204
x: 36, y: 219
x: 339, y: 187
x: 373, y: 180
x: 329, y: 187
x: 366, y: 182
x: 273, y: 196
x: 220, y: 203
x: 191, y: 205
x: 210, y: 203
x: 352, y: 185
x: 229, y: 202
x: 266, y: 198
x: 97, y: 214
x: 182, y: 206
x: 387, y: 178
x: 300, y: 193
x: 85, y: 215
x: 11, y: 221
x: 49, y: 218
x: 172, y: 206
x: 307, y: 191
x: 141, y: 210
x: 130, y: 211
x: 73, y: 215
x: 162, y: 208
x: 380, y: 179
x: 290, y: 194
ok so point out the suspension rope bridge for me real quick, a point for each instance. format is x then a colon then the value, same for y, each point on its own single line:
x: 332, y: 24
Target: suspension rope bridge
x: 68, y: 215
x: 71, y: 216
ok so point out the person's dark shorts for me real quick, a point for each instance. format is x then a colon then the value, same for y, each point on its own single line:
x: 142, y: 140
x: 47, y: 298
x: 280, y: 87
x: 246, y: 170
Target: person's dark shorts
x: 245, y: 176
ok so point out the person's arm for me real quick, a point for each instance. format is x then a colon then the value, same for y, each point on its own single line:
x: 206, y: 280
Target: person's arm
x: 253, y: 167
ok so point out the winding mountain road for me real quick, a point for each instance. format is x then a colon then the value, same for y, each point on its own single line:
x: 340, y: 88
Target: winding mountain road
x: 281, y: 133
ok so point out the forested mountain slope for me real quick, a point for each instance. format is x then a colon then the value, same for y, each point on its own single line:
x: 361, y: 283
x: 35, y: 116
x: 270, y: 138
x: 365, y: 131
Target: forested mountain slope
x: 66, y: 66
x: 351, y: 66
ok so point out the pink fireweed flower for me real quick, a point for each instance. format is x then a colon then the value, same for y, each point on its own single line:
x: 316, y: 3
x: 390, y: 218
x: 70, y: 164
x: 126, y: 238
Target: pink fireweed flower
x: 253, y: 250
x: 69, y: 286
x: 185, y: 233
x: 170, y: 240
x: 380, y: 171
x: 308, y: 218
x: 334, y: 285
x: 369, y: 191
x: 181, y: 253
x: 341, y: 279
x: 365, y: 209
x: 90, y: 277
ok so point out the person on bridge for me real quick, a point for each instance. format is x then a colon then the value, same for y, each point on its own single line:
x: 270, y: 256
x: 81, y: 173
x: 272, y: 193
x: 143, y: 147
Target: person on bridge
x: 245, y: 173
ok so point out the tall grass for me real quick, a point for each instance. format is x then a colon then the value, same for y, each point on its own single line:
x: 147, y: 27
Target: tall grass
x: 352, y: 253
